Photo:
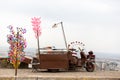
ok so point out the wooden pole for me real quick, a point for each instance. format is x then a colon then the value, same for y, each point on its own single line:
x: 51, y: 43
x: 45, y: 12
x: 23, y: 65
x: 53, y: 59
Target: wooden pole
x: 16, y: 62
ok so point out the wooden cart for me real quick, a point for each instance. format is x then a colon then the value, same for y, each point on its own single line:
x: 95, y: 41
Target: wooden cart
x: 56, y: 60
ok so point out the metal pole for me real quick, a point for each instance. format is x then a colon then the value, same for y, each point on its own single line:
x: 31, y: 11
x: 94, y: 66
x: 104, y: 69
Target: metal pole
x: 64, y: 34
x: 38, y: 47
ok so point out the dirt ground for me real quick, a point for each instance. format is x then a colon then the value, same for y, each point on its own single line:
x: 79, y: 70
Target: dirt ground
x: 30, y: 73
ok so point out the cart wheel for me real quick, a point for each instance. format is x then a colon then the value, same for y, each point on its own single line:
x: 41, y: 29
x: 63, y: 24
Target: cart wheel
x: 90, y: 66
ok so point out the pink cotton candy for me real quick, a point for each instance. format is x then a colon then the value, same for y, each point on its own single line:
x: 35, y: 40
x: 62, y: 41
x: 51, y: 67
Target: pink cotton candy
x: 36, y: 26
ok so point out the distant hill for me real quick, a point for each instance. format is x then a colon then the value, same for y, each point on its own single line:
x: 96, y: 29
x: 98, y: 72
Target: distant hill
x: 4, y: 51
x: 107, y: 55
x: 32, y: 52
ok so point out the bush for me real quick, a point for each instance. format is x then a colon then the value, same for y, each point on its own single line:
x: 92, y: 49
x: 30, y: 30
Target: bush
x: 4, y: 63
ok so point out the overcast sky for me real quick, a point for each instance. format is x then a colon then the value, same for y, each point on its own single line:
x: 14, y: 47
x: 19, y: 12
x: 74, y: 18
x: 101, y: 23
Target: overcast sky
x: 96, y: 23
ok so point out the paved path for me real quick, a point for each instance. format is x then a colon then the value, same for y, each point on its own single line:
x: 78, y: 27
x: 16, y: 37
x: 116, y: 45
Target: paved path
x: 29, y: 73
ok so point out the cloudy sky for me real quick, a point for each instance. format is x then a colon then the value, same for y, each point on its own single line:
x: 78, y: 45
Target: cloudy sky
x: 96, y: 23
